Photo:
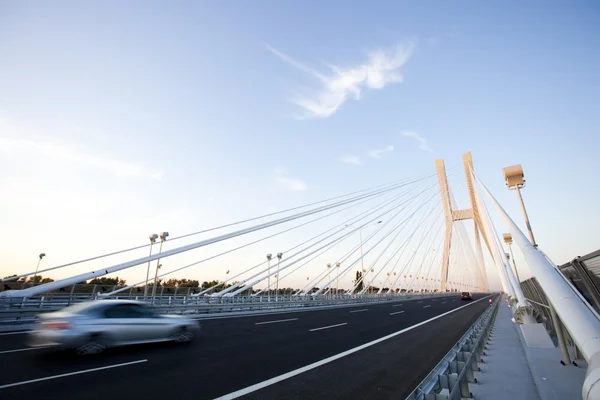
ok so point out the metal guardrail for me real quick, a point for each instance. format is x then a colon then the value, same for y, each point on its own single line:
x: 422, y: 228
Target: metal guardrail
x: 25, y: 311
x: 451, y: 376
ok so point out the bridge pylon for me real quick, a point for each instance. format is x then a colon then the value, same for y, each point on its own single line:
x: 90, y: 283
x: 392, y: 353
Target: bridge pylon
x: 451, y: 216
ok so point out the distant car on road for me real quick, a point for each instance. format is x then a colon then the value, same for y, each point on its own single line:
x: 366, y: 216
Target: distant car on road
x: 92, y: 327
x: 466, y: 296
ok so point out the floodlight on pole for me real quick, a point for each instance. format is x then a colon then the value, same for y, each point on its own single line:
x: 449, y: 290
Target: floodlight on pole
x: 337, y: 283
x: 515, y: 180
x: 362, y: 262
x: 329, y: 276
x: 269, y: 257
x: 163, y: 237
x: 508, y: 240
x: 42, y: 255
x: 279, y: 256
x: 152, y: 238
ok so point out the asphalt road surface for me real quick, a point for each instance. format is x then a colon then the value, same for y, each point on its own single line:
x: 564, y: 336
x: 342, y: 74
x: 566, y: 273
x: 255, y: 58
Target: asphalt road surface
x: 368, y: 351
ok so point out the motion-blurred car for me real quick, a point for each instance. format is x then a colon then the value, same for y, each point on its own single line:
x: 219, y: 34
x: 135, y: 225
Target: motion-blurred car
x: 466, y: 296
x: 92, y: 327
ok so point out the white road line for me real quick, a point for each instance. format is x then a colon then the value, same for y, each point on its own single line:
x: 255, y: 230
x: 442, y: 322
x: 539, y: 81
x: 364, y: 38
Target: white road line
x: 272, y: 381
x: 364, y: 309
x: 443, y: 302
x: 420, y: 301
x: 398, y: 305
x: 274, y: 322
x: 15, y: 333
x: 427, y: 306
x: 327, y: 327
x: 324, y: 308
x: 26, y: 349
x: 397, y: 312
x: 85, y: 371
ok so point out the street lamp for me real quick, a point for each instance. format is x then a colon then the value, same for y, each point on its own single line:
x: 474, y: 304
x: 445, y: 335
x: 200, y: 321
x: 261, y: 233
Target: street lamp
x: 515, y: 180
x: 279, y: 256
x: 362, y: 263
x: 42, y: 255
x: 152, y: 238
x: 163, y: 237
x: 269, y: 256
x: 364, y: 278
x: 386, y: 281
x: 329, y: 277
x: 508, y: 240
x: 337, y: 283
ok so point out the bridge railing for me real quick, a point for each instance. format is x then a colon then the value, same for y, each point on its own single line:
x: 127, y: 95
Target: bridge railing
x: 451, y: 376
x: 25, y: 310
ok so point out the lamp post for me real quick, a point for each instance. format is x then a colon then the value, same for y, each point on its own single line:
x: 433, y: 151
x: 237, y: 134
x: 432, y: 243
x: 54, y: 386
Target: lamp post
x: 515, y: 180
x: 269, y: 256
x: 364, y: 278
x: 279, y: 256
x: 226, y: 275
x: 508, y: 240
x: 163, y: 237
x: 152, y: 238
x: 362, y: 262
x: 42, y: 255
x: 337, y: 282
x: 386, y: 281
x: 329, y: 277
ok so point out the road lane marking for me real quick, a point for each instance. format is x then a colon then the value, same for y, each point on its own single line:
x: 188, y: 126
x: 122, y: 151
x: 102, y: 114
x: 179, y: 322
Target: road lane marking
x: 443, y: 302
x: 15, y: 333
x: 287, y: 375
x: 427, y: 306
x: 274, y: 322
x: 294, y: 311
x: 85, y: 371
x: 420, y: 301
x: 327, y: 327
x: 397, y: 312
x: 398, y: 305
x: 364, y: 309
x: 25, y: 349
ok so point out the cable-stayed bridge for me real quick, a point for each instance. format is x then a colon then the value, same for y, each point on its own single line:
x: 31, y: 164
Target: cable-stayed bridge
x: 347, y: 281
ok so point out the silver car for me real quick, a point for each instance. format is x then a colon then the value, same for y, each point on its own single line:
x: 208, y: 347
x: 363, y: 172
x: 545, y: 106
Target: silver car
x: 92, y: 327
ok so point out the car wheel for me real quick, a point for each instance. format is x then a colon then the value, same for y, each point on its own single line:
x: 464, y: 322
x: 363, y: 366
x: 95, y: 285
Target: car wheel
x: 182, y: 335
x: 94, y: 345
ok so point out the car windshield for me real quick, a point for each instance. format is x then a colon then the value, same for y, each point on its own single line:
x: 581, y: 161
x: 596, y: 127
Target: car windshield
x: 465, y: 293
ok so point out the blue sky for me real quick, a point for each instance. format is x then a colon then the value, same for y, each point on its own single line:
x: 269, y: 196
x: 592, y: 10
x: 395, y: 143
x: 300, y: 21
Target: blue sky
x: 120, y: 118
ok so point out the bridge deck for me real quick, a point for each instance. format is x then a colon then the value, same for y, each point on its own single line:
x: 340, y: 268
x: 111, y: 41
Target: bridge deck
x: 235, y: 353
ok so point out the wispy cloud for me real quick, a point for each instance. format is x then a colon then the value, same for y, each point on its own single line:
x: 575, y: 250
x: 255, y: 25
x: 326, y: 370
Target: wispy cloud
x: 291, y: 184
x: 377, y: 153
x: 348, y: 159
x: 379, y: 70
x: 64, y: 153
x: 420, y: 140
